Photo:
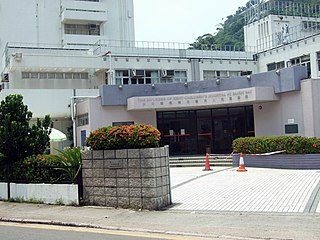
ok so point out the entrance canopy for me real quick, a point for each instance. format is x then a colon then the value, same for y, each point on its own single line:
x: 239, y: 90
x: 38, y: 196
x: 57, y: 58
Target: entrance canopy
x: 229, y: 98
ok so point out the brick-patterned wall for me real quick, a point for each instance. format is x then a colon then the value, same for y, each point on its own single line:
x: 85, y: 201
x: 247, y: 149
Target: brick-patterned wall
x: 127, y: 178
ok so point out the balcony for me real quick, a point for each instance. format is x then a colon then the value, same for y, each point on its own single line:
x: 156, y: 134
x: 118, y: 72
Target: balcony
x: 83, y: 11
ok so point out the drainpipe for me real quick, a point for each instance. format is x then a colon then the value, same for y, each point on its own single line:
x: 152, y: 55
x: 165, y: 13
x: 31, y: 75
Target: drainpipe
x: 73, y: 105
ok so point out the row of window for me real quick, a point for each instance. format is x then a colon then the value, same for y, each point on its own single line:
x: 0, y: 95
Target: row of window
x: 124, y: 77
x: 83, y: 120
x: 82, y: 29
x: 211, y: 75
x: 302, y: 60
x: 52, y: 75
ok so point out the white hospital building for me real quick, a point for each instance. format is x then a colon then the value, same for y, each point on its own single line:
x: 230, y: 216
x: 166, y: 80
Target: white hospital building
x: 78, y: 61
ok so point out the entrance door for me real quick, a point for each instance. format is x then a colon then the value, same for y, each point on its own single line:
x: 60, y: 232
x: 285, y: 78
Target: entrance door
x: 221, y: 131
x: 204, y: 127
x: 178, y: 131
x: 222, y: 138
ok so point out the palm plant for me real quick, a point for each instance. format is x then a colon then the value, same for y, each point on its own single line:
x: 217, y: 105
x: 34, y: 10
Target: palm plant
x: 71, y: 159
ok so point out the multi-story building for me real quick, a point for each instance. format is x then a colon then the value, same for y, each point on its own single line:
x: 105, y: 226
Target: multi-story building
x: 65, y: 51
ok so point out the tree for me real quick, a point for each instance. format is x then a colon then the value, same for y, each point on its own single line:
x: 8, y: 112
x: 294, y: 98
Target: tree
x: 18, y: 139
x: 230, y: 32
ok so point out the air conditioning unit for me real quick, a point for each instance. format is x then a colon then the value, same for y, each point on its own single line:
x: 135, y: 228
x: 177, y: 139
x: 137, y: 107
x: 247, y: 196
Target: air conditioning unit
x: 5, y: 77
x: 167, y: 73
x: 137, y: 73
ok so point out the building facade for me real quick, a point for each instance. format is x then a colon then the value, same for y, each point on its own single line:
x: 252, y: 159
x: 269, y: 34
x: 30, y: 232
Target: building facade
x: 78, y: 61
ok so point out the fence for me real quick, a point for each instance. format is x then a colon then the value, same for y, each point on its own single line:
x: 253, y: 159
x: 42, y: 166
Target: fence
x: 33, y: 175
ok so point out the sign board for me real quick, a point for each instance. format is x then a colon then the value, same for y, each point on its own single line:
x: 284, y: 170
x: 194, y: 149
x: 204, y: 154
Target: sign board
x: 291, y: 128
x: 115, y: 164
x: 290, y: 121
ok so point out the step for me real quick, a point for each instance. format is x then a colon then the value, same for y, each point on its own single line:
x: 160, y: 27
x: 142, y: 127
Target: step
x: 200, y: 165
x: 199, y: 161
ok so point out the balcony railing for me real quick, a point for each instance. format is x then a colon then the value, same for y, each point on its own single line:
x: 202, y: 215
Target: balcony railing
x: 171, y: 49
x: 304, y: 30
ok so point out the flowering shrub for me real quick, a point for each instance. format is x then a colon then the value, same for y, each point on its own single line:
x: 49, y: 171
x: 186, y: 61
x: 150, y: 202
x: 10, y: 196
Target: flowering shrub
x: 49, y: 168
x: 120, y: 137
x: 36, y: 169
x: 291, y: 145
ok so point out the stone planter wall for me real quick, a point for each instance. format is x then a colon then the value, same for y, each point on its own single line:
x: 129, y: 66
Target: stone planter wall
x: 127, y: 178
x: 281, y: 161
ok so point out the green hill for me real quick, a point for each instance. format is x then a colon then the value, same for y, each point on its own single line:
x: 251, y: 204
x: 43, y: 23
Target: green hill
x: 230, y: 32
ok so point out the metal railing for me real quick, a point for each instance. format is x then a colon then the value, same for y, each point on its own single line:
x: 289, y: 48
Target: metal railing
x: 262, y: 9
x: 293, y: 34
x: 171, y: 49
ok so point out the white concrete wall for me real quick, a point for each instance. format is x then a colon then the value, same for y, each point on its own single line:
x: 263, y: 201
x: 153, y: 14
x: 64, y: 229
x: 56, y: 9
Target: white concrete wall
x: 293, y: 50
x: 101, y: 116
x: 310, y: 89
x: 261, y: 34
x: 54, y: 102
x: 36, y: 22
x: 3, y: 190
x: 120, y: 24
x: 270, y: 118
x: 47, y: 193
x: 95, y: 66
x: 24, y: 21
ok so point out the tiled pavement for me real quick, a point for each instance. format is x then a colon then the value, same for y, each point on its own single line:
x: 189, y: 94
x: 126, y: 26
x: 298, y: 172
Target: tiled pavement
x: 258, y: 190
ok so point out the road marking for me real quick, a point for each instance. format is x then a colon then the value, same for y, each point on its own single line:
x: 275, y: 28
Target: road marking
x: 313, y: 201
x: 102, y: 231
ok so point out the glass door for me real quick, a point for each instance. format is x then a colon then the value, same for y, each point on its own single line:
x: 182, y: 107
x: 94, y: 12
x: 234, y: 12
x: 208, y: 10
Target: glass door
x: 221, y: 131
x: 204, y: 127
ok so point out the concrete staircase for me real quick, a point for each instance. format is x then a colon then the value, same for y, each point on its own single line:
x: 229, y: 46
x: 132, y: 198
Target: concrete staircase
x: 199, y: 161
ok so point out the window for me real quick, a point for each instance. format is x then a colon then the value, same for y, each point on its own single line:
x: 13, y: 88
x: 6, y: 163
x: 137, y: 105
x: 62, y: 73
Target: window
x: 122, y: 77
x: 51, y: 75
x: 59, y: 76
x: 318, y: 61
x: 310, y: 26
x: 180, y: 76
x: 43, y: 75
x: 83, y: 120
x: 275, y: 66
x: 82, y: 29
x: 152, y: 76
x: 34, y: 75
x: 302, y: 61
x: 212, y: 75
x: 209, y: 75
x: 25, y: 75
x: 137, y: 76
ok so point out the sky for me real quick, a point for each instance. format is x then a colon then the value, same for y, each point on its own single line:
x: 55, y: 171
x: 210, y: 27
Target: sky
x: 180, y: 20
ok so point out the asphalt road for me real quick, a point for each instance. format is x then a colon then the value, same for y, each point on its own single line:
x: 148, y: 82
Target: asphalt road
x: 14, y: 231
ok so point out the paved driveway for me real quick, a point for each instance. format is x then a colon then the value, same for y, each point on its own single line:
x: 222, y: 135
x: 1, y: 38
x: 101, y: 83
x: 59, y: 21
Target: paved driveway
x: 258, y: 190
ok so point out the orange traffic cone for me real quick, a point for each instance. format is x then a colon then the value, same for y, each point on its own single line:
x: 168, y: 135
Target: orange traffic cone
x: 207, y: 166
x: 242, y: 167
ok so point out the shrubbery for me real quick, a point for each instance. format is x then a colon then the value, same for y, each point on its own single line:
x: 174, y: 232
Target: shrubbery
x: 120, y: 137
x: 291, y: 145
x: 49, y: 168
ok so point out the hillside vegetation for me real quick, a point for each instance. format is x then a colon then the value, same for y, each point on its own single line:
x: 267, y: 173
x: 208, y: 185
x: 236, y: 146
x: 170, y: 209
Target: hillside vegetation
x: 230, y: 32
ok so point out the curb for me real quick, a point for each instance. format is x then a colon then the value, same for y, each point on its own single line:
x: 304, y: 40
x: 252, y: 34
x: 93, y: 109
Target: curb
x: 83, y: 225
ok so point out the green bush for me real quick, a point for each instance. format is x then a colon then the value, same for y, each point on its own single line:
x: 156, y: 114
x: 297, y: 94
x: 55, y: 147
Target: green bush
x: 71, y: 157
x: 37, y: 169
x: 120, y: 137
x: 49, y: 168
x: 291, y: 145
